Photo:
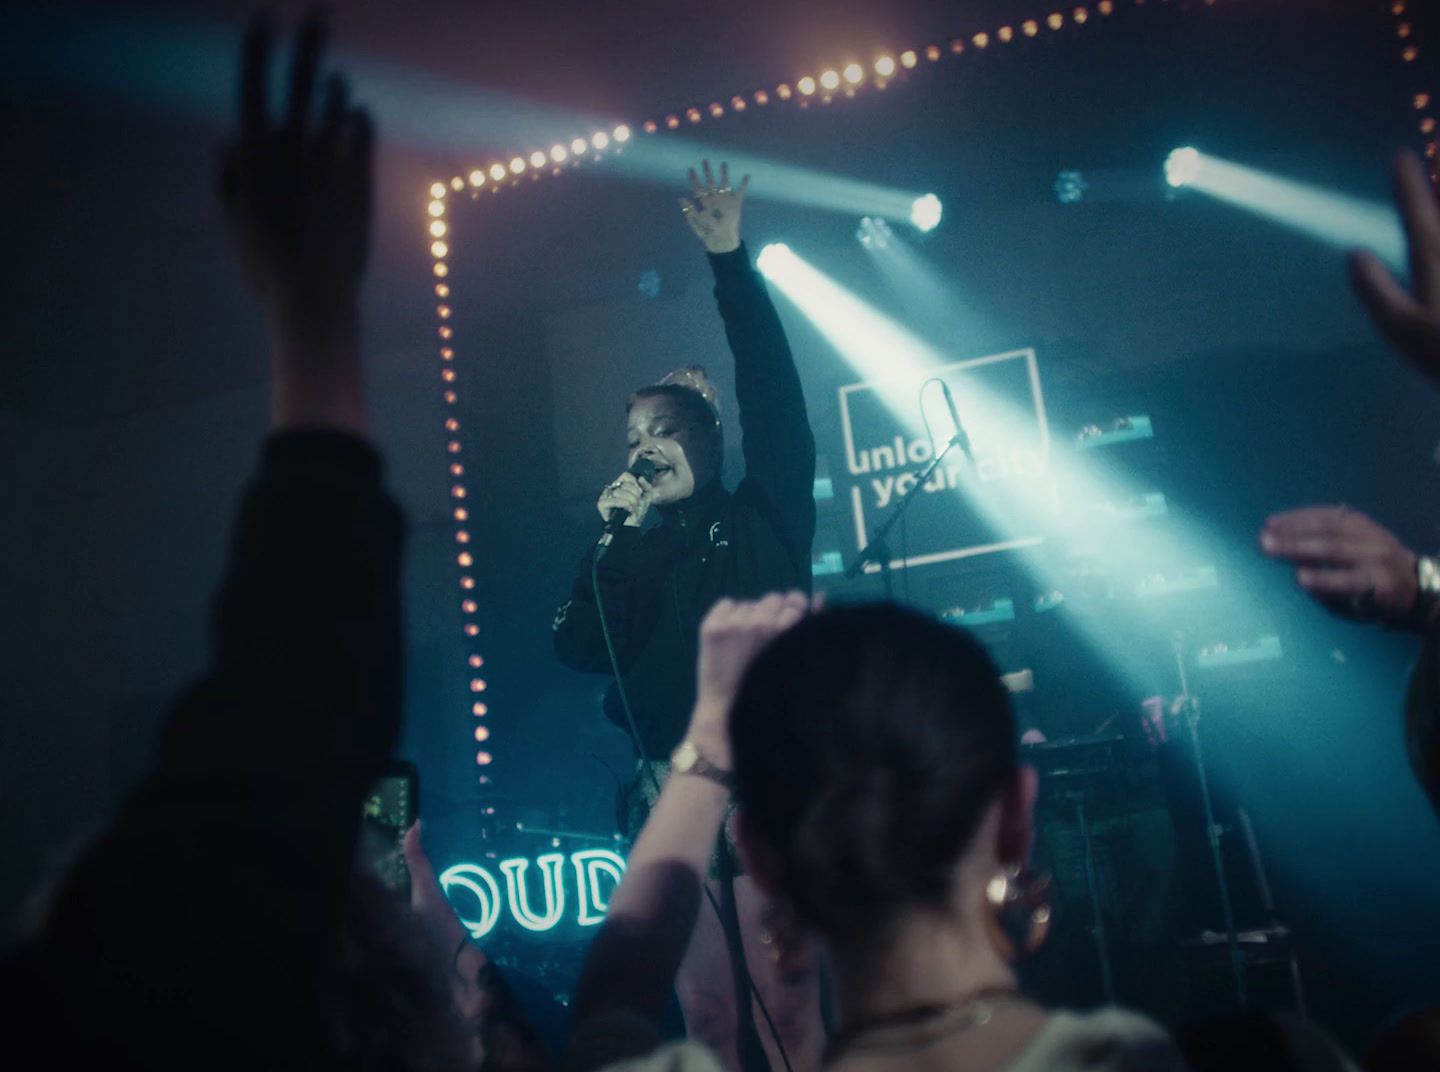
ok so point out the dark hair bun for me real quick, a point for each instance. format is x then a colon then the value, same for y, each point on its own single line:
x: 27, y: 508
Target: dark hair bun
x: 868, y: 742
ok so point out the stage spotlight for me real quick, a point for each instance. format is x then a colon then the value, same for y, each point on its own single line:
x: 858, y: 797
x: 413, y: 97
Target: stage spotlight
x: 622, y: 133
x: 909, y: 58
x: 874, y: 233
x: 600, y: 140
x: 925, y: 213
x: 578, y: 146
x: 830, y: 79
x: 772, y: 258
x: 1070, y: 187
x: 517, y: 165
x: 537, y: 159
x: 497, y: 171
x: 885, y: 66
x: 1332, y: 217
x: 1181, y: 166
x: 806, y: 85
x: 854, y: 73
x: 559, y: 154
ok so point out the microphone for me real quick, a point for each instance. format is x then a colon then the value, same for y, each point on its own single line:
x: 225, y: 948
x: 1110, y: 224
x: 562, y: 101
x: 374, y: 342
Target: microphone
x: 960, y: 434
x: 642, y: 469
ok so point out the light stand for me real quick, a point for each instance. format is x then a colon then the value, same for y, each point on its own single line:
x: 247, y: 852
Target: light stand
x: 1212, y: 828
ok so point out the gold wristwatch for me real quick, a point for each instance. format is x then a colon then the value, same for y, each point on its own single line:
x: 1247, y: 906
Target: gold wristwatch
x: 686, y: 759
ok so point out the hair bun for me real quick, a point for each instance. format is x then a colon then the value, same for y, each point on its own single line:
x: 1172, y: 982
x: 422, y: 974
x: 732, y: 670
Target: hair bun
x: 698, y: 380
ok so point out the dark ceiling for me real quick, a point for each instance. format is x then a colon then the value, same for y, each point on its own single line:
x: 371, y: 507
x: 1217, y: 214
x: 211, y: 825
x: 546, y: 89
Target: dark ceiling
x: 118, y: 292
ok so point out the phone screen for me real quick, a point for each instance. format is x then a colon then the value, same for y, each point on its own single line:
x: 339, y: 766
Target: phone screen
x: 391, y: 808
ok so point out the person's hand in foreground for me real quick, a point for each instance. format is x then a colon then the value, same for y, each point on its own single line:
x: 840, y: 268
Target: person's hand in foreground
x: 1347, y: 562
x: 296, y: 189
x: 1410, y: 319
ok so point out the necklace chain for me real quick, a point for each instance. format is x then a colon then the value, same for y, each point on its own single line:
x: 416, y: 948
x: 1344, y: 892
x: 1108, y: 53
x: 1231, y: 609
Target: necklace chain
x: 928, y: 1022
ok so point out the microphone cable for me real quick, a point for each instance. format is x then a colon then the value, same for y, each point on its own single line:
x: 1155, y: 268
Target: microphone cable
x: 736, y: 946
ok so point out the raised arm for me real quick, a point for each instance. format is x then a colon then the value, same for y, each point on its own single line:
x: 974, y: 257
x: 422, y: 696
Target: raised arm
x: 632, y: 963
x: 264, y: 762
x: 776, y: 440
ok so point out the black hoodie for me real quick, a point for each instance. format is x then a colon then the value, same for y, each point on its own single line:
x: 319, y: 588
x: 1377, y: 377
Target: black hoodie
x: 657, y: 583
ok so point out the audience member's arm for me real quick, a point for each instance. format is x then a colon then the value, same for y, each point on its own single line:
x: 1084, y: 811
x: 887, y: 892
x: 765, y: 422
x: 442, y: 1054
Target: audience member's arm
x: 632, y: 963
x: 1350, y: 564
x: 212, y: 900
x: 1409, y: 319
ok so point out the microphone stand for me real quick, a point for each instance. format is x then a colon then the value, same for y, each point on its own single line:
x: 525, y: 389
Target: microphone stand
x: 878, y: 548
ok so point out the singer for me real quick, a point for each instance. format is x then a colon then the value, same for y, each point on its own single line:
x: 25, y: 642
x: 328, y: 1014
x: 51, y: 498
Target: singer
x: 657, y: 581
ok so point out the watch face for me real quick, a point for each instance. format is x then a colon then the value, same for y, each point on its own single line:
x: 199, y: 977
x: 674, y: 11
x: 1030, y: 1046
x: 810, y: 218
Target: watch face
x: 1427, y: 572
x: 685, y: 758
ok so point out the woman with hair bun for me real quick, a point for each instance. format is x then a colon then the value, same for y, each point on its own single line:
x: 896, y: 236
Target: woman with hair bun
x: 884, y: 810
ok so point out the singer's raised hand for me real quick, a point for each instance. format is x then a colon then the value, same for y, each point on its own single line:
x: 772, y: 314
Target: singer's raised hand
x: 713, y: 208
x: 626, y: 492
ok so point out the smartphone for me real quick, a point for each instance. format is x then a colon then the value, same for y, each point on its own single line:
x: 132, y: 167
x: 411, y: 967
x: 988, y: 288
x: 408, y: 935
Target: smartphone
x: 391, y: 808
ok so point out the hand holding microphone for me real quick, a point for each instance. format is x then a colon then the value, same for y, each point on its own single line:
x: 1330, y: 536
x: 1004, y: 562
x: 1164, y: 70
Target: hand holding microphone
x: 625, y: 500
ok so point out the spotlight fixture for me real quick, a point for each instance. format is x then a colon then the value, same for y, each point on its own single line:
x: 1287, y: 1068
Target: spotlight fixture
x: 578, y: 146
x: 1070, y: 187
x: 874, y: 233
x: 1181, y: 166
x: 621, y: 134
x: 806, y: 85
x: 497, y: 171
x: 885, y: 66
x: 771, y: 256
x: 853, y: 73
x: 925, y: 213
x: 830, y: 79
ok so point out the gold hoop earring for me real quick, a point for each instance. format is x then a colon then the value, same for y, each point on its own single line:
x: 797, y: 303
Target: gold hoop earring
x: 1019, y: 916
x: 781, y: 935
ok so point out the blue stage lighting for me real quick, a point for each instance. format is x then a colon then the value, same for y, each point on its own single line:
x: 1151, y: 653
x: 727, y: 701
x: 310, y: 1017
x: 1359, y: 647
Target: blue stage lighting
x: 1181, y: 166
x: 1335, y: 218
x: 772, y: 257
x: 925, y: 213
x: 874, y: 233
x: 1070, y: 187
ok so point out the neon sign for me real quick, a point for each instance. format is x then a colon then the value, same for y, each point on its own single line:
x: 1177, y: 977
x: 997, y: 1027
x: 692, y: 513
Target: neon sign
x: 537, y: 905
